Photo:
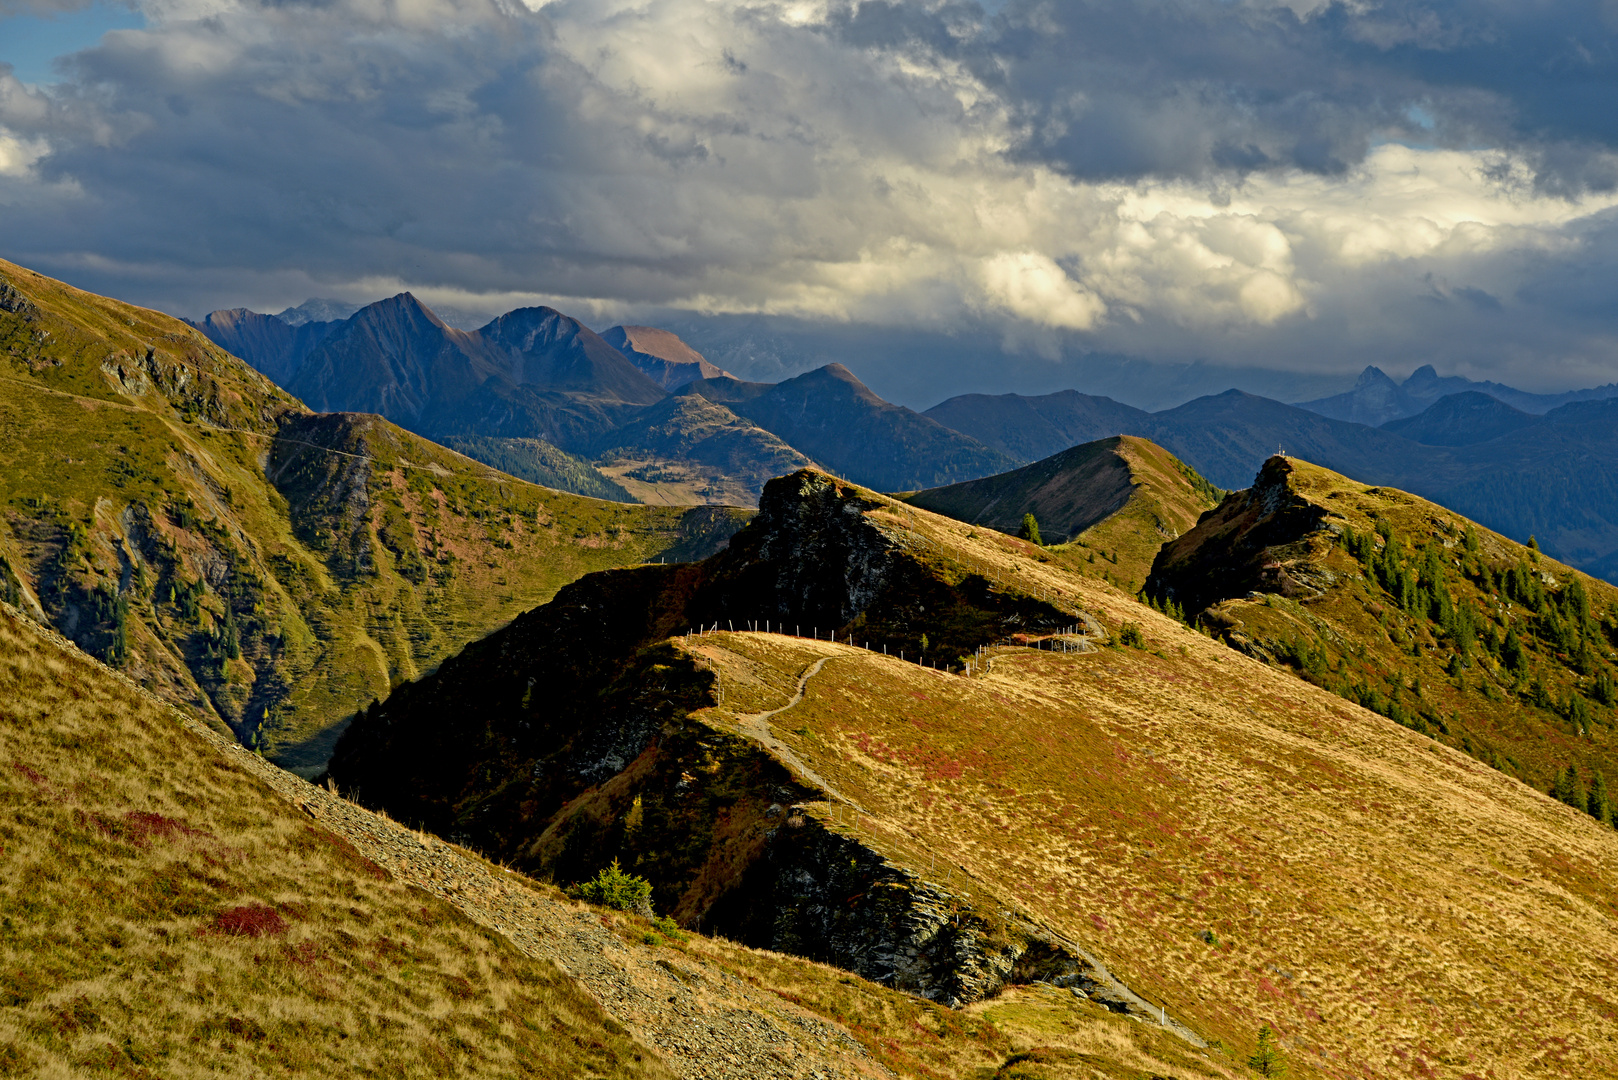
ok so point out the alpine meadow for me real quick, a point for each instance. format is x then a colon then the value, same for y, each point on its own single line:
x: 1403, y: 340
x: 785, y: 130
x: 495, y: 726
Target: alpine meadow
x: 854, y: 540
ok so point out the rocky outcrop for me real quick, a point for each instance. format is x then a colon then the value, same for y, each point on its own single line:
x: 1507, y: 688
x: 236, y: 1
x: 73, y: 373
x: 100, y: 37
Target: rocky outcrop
x: 1262, y: 539
x: 567, y: 738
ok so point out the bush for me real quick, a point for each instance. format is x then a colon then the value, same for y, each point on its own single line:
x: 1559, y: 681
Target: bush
x: 1030, y: 530
x: 615, y: 888
x: 1131, y: 636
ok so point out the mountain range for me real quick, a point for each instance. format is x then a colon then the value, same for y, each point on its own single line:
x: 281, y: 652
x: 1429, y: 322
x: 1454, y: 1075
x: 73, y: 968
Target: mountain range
x: 1317, y: 765
x: 1525, y: 464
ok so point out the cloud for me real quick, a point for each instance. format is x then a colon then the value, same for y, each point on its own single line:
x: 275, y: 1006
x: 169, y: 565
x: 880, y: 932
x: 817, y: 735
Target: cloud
x: 1285, y: 184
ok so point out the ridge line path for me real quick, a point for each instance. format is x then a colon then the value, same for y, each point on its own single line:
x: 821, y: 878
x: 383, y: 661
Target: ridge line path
x: 756, y: 726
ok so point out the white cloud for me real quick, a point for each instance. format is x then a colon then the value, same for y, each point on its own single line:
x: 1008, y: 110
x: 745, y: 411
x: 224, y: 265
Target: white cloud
x: 734, y: 156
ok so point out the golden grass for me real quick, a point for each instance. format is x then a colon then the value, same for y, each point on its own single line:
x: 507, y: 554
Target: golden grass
x: 1391, y: 906
x: 1367, y: 639
x: 162, y: 913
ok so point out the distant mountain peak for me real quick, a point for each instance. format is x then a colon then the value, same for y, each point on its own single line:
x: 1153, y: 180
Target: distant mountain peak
x: 318, y: 309
x: 1374, y: 376
x: 662, y: 356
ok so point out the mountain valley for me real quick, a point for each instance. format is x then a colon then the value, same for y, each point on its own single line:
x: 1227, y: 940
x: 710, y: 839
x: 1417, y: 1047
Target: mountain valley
x: 180, y: 517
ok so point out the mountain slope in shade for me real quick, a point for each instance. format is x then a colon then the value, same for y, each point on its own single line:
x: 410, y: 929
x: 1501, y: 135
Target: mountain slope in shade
x: 1191, y: 837
x: 270, y: 344
x: 538, y: 462
x: 1030, y: 428
x: 1461, y: 420
x: 398, y: 359
x: 688, y: 449
x: 1406, y: 607
x: 667, y: 360
x: 834, y: 418
x: 1121, y: 497
x: 542, y: 347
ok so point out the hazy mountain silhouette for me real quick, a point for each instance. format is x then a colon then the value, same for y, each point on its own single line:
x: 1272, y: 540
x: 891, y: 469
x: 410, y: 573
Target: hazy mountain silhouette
x: 1376, y: 398
x: 1032, y: 428
x: 268, y: 342
x: 1461, y: 420
x: 837, y: 420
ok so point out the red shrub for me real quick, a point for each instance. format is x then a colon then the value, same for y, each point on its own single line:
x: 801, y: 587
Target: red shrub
x: 33, y: 775
x: 250, y: 920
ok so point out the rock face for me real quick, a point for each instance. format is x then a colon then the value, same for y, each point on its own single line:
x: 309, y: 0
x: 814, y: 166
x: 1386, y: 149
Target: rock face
x: 667, y: 360
x: 828, y: 897
x: 1257, y: 540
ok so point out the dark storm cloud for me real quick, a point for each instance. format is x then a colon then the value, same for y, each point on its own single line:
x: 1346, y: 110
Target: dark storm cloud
x: 1167, y: 178
x: 1120, y: 89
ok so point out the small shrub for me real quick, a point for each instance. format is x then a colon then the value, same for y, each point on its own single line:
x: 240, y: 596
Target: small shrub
x: 1030, y: 530
x: 615, y: 888
x: 250, y: 920
x: 1131, y: 636
x: 1266, y: 1060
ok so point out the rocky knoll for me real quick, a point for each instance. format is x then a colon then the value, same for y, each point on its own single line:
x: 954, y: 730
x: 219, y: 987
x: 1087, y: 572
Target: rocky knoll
x: 570, y: 733
x: 1257, y: 540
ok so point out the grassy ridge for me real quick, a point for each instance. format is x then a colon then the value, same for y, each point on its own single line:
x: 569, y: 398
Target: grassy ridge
x: 1406, y: 607
x: 176, y: 514
x: 1236, y: 844
x: 1103, y: 507
x: 163, y: 914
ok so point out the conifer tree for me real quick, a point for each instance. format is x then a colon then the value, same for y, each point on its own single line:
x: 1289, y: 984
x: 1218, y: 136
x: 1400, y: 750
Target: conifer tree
x: 1030, y: 530
x: 1597, y: 804
x: 1266, y: 1060
x: 1568, y: 789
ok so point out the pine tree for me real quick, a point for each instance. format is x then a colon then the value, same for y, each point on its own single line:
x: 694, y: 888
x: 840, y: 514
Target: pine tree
x: 1266, y: 1060
x: 1030, y: 530
x: 1568, y: 789
x: 1596, y: 804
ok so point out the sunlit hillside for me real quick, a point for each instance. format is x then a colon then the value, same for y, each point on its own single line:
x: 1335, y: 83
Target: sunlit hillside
x: 176, y: 514
x: 164, y: 914
x: 1104, y: 797
x: 1408, y: 608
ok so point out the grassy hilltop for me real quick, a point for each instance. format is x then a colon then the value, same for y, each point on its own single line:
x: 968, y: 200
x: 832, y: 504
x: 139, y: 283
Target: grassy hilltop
x: 176, y: 514
x: 1109, y: 504
x: 1234, y: 845
x: 1413, y: 611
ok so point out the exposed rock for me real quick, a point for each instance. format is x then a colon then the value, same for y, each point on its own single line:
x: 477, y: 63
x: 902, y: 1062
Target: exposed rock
x: 1261, y: 540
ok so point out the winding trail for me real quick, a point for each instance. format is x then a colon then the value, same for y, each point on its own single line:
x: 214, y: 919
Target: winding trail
x: 756, y: 726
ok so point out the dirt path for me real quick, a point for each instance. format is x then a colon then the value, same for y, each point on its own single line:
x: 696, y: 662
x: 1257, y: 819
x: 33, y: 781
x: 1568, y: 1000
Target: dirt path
x: 756, y: 726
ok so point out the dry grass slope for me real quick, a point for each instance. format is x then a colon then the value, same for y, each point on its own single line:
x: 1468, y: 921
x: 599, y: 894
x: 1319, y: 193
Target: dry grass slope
x: 163, y: 914
x: 1531, y: 713
x: 1236, y: 844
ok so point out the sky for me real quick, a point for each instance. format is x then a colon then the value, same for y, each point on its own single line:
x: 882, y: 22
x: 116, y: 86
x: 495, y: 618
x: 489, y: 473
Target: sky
x: 1004, y: 196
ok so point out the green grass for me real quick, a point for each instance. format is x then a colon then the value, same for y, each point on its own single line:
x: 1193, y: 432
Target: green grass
x: 276, y: 570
